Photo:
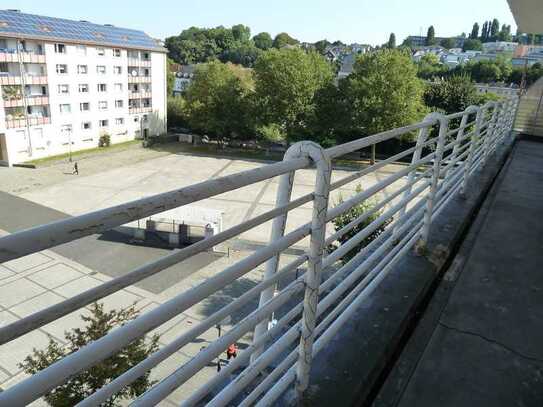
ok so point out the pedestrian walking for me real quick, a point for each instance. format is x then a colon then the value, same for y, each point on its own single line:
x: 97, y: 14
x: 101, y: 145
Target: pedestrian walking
x: 232, y: 351
x: 76, y: 169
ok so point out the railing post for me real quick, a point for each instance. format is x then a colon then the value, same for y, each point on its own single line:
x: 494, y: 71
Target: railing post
x: 489, y: 132
x: 443, y: 127
x: 419, y: 146
x: 314, y: 264
x: 284, y: 193
x: 472, y: 142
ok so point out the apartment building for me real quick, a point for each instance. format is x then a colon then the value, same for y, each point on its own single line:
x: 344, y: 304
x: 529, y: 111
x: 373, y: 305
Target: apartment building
x: 64, y: 84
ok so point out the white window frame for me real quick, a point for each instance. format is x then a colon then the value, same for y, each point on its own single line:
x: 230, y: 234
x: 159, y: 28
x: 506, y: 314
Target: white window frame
x: 82, y: 104
x: 86, y: 128
x: 99, y: 87
x: 116, y: 52
x: 119, y: 121
x: 118, y: 87
x: 81, y: 50
x: 68, y: 111
x: 59, y: 69
x: 101, y: 71
x: 63, y: 89
x: 101, y: 52
x: 102, y: 105
x: 83, y: 86
x: 60, y: 46
x: 119, y: 105
x: 82, y: 69
x: 118, y: 70
x: 103, y: 123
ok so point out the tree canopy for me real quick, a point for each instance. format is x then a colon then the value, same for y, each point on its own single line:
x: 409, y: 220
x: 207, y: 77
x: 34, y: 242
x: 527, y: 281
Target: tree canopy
x: 286, y: 81
x: 391, y: 44
x: 283, y: 39
x: 431, y: 36
x: 263, y: 41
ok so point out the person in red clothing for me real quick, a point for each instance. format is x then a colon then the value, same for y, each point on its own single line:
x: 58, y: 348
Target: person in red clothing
x: 232, y: 351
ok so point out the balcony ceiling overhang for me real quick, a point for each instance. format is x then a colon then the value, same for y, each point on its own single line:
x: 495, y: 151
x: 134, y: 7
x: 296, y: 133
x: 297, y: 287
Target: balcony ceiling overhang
x: 528, y: 15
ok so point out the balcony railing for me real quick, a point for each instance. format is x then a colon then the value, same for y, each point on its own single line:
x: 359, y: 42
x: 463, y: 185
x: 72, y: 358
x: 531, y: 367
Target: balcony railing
x: 132, y: 61
x: 10, y: 55
x: 139, y: 79
x: 37, y: 100
x: 22, y: 122
x: 139, y: 109
x: 319, y: 298
x: 16, y: 79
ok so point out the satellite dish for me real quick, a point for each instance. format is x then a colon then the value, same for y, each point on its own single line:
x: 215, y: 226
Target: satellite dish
x: 134, y: 73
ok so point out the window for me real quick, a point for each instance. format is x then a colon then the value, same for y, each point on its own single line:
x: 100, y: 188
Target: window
x: 63, y: 89
x: 100, y: 52
x: 103, y: 123
x: 118, y: 87
x: 146, y: 56
x: 60, y: 48
x: 81, y: 50
x: 118, y: 104
x: 65, y: 108
x: 82, y: 69
x: 84, y: 107
x: 146, y: 72
x: 116, y: 52
x: 119, y: 121
x: 86, y: 125
x: 101, y: 69
x: 117, y: 70
x: 102, y: 87
x: 62, y: 69
x: 83, y: 88
x: 102, y: 105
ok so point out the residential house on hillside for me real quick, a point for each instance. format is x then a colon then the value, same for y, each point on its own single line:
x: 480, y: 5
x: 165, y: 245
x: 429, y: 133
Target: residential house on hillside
x: 499, y: 47
x: 183, y: 78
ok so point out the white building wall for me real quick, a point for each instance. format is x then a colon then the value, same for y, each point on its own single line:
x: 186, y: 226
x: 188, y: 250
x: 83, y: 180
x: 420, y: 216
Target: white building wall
x: 52, y: 139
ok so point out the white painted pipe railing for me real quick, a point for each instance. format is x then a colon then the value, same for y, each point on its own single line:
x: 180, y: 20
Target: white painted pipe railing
x: 318, y: 300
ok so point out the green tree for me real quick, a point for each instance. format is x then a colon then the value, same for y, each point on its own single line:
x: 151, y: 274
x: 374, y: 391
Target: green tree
x: 431, y: 36
x: 505, y: 33
x: 286, y: 82
x: 283, y: 39
x: 219, y: 100
x: 384, y: 92
x: 391, y: 44
x: 170, y: 77
x: 263, y: 41
x: 430, y: 67
x: 354, y: 213
x: 451, y: 95
x: 485, y: 71
x: 321, y: 46
x: 177, y: 112
x: 241, y: 33
x: 474, y: 32
x: 241, y: 53
x: 472, y: 45
x: 448, y: 43
x: 82, y: 385
x: 494, y: 29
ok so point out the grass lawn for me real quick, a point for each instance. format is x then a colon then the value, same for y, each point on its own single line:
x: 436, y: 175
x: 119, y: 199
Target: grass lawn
x: 80, y: 153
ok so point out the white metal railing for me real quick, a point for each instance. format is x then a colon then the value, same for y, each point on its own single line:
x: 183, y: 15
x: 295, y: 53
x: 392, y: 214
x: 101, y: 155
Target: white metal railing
x: 449, y: 149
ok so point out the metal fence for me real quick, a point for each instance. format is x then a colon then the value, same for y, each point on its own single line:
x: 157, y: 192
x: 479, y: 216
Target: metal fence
x: 318, y: 300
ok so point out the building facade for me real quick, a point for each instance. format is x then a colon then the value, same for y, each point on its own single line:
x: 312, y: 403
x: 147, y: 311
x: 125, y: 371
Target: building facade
x: 65, y: 84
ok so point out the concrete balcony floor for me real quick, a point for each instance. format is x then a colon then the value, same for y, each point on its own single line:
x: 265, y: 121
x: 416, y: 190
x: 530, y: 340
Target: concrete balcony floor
x: 479, y: 342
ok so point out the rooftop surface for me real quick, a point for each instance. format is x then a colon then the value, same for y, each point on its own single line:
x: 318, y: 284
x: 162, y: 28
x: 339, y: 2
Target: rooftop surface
x: 15, y: 23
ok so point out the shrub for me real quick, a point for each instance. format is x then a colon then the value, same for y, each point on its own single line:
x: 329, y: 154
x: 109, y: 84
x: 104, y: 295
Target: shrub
x: 82, y: 385
x: 349, y: 216
x: 104, y: 140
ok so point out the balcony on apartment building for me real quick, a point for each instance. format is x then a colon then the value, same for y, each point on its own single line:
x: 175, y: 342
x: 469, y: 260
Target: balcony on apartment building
x: 140, y: 105
x: 139, y: 58
x: 139, y: 91
x: 34, y: 95
x: 35, y: 116
x: 22, y: 55
x: 138, y: 74
x: 11, y: 74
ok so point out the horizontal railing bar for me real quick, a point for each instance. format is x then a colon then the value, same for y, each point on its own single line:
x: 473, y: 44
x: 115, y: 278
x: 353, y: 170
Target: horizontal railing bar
x: 338, y: 151
x: 376, y: 166
x: 153, y: 360
x: 55, y: 233
x: 280, y: 387
x: 54, y: 312
x: 87, y: 356
x: 174, y: 380
x: 376, y: 207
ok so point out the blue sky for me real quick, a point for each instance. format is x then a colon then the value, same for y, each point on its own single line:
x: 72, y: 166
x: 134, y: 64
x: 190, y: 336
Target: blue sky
x: 361, y: 21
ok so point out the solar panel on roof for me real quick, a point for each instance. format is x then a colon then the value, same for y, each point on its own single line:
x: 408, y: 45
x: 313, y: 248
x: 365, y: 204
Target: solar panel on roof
x: 14, y: 22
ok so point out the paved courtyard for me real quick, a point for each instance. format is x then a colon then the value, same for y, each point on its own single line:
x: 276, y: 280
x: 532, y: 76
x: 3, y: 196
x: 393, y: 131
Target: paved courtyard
x: 31, y: 197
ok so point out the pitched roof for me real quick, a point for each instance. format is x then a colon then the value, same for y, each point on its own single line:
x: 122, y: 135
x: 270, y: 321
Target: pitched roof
x: 13, y: 23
